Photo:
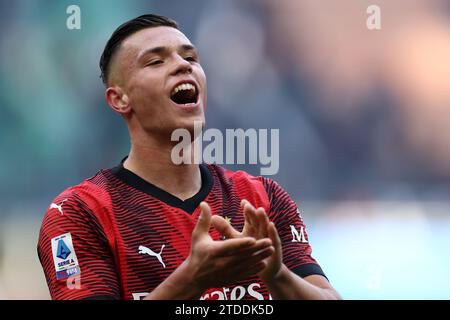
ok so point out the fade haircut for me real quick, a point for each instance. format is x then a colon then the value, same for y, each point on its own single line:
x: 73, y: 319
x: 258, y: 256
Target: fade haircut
x: 125, y: 30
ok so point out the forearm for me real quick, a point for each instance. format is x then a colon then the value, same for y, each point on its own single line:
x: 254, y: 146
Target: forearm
x: 289, y: 286
x: 178, y: 286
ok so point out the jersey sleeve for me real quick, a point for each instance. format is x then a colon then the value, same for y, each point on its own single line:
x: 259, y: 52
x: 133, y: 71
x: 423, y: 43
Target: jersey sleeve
x: 74, y: 252
x: 291, y: 228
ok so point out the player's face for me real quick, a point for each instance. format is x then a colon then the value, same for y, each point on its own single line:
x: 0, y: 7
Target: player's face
x: 163, y: 79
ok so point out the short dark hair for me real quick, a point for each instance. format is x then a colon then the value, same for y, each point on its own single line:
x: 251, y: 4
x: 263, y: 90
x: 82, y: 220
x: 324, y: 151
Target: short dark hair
x: 124, y: 31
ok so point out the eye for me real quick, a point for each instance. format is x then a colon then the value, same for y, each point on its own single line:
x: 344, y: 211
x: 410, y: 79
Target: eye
x: 154, y: 62
x: 192, y: 59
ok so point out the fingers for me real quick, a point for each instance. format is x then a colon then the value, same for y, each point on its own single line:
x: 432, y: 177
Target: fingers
x: 204, y: 221
x: 263, y: 222
x: 230, y: 247
x: 256, y: 220
x: 241, y: 267
x: 261, y: 255
x: 248, y: 251
x: 251, y: 270
x: 254, y: 264
x: 249, y: 213
x: 250, y: 226
x: 224, y: 227
x: 273, y: 235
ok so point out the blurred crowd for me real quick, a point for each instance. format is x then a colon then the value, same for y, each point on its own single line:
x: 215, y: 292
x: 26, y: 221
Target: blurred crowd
x: 363, y: 114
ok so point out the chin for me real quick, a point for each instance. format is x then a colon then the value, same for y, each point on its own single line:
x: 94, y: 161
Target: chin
x: 195, y: 123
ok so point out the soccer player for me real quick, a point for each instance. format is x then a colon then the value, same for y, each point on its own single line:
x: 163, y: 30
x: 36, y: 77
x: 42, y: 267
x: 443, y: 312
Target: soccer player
x: 149, y: 228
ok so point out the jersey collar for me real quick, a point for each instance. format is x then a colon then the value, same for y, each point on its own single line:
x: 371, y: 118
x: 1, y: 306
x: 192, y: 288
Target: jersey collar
x: 188, y: 205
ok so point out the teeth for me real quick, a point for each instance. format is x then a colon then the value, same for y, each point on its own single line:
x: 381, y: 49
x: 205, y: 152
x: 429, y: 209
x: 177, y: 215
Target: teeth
x: 183, y: 86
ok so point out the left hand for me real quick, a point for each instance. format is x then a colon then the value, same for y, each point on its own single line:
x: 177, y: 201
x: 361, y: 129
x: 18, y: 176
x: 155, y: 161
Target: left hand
x: 256, y: 225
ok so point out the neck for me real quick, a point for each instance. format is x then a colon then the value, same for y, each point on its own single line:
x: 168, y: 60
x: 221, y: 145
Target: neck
x: 152, y: 162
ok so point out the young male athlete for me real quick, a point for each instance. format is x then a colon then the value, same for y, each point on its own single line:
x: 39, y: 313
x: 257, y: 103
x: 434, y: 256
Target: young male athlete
x: 151, y: 229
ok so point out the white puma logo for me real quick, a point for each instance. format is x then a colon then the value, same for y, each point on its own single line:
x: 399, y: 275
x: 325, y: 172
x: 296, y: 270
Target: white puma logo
x: 150, y: 252
x: 59, y: 207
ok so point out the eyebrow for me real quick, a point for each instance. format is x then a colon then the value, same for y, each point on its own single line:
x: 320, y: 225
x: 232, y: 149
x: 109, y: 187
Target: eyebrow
x: 162, y: 50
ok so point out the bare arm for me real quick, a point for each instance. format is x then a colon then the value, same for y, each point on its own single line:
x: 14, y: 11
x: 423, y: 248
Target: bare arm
x: 289, y: 286
x: 178, y: 286
x: 286, y: 285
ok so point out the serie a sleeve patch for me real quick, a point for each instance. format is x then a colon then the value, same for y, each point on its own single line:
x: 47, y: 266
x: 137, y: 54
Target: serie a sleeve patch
x: 64, y: 257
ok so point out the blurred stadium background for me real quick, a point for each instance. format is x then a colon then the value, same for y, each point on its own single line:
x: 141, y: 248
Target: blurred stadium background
x: 364, y: 119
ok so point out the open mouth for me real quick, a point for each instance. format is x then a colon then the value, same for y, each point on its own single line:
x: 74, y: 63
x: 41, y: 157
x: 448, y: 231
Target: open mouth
x: 184, y: 93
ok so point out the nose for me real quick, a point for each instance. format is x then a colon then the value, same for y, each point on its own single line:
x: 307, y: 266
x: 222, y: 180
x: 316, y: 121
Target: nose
x: 181, y: 66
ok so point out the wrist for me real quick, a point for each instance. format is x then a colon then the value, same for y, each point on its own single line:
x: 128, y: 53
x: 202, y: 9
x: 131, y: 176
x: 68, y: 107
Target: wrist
x: 279, y: 277
x: 189, y: 277
x: 180, y: 285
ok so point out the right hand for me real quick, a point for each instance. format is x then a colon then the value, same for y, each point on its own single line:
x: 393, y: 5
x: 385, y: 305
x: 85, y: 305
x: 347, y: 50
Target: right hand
x: 221, y: 263
x: 258, y: 226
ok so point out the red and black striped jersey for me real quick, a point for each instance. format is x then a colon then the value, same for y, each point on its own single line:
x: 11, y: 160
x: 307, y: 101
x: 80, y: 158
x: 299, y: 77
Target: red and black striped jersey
x: 118, y: 236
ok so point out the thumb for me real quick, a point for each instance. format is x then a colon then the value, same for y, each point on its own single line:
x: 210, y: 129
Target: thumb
x: 224, y: 227
x: 204, y: 221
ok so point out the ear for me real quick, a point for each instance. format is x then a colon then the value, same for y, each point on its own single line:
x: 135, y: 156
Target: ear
x: 117, y: 100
